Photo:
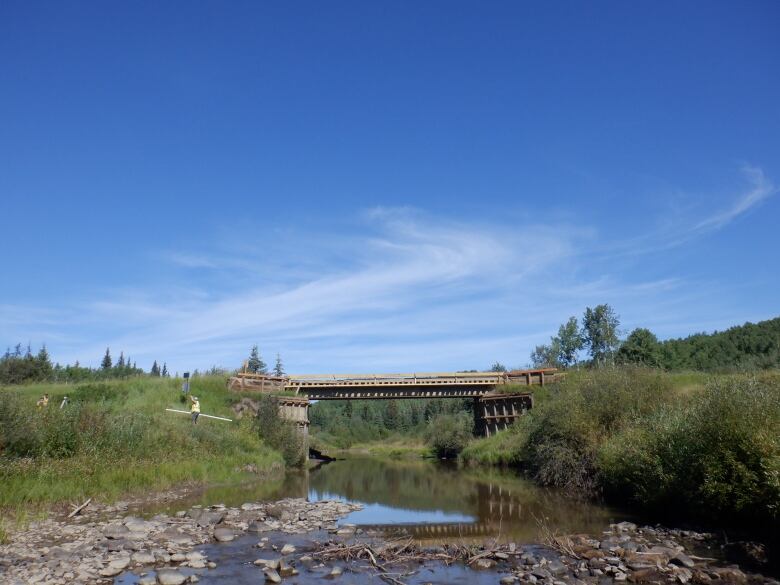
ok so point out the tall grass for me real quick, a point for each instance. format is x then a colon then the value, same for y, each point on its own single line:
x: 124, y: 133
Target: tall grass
x: 703, y: 448
x: 116, y: 437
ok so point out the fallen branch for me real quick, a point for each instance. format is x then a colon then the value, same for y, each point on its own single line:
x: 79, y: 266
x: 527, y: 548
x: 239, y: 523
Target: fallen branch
x: 79, y: 508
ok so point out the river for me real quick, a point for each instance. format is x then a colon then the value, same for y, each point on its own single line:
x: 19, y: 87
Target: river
x: 430, y: 500
x: 434, y: 502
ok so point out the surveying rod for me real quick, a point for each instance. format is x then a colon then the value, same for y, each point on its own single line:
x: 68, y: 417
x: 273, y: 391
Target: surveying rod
x: 206, y: 415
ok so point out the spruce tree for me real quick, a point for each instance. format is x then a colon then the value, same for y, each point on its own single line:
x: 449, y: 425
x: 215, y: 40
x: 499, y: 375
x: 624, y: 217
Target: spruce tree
x: 43, y: 364
x: 165, y: 370
x: 255, y: 364
x: 120, y: 363
x: 106, y: 363
x: 278, y: 368
x: 155, y: 371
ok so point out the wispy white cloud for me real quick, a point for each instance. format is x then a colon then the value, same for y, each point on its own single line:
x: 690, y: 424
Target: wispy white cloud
x: 395, y: 289
x: 760, y: 189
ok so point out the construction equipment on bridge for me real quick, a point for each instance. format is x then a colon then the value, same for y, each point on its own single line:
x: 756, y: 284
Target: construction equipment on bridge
x: 498, y: 400
x: 205, y: 415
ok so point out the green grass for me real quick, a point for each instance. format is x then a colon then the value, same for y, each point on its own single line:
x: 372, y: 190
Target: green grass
x: 396, y: 447
x: 701, y: 445
x: 116, y: 438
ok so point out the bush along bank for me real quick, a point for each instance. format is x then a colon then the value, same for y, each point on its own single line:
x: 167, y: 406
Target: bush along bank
x: 710, y: 456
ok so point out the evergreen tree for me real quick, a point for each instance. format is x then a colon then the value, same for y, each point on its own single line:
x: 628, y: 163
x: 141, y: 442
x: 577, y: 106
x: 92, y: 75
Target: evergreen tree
x: 43, y: 364
x: 155, y: 371
x: 600, y: 332
x: 106, y: 363
x: 165, y: 370
x: 120, y: 363
x: 498, y: 367
x: 255, y: 364
x: 278, y: 368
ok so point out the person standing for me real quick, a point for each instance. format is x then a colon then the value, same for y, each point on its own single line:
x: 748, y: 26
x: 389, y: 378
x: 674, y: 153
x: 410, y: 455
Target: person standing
x: 195, y: 409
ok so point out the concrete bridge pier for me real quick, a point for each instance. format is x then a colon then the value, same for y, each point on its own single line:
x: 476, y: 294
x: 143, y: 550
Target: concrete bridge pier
x: 493, y: 413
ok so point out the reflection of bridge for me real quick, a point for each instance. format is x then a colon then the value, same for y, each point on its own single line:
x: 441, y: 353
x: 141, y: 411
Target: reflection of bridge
x: 498, y: 396
x: 496, y: 508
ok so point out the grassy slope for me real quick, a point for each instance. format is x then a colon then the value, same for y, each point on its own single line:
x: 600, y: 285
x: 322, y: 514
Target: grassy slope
x: 126, y: 442
x: 506, y: 449
x: 706, y: 446
x: 396, y: 447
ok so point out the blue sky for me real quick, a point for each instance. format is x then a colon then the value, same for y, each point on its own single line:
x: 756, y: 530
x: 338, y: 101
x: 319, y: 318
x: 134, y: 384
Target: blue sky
x: 375, y: 186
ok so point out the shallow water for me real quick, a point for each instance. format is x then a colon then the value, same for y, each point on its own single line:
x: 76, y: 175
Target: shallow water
x: 433, y: 501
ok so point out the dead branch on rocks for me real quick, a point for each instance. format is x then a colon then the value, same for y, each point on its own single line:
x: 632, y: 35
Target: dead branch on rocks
x: 561, y: 544
x: 78, y: 509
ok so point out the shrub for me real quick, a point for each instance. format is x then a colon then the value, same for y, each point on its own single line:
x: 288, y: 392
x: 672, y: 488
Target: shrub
x: 278, y: 433
x: 718, y: 453
x: 448, y: 434
x: 567, y: 430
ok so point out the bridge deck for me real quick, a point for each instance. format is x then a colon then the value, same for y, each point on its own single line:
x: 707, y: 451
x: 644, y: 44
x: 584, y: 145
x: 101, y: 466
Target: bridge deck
x: 384, y: 386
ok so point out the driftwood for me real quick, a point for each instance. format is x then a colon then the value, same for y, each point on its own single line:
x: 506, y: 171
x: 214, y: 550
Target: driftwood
x: 404, y: 551
x: 79, y: 508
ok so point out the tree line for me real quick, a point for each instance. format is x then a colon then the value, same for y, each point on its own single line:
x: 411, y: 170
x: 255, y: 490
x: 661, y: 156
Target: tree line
x: 743, y: 347
x: 20, y: 366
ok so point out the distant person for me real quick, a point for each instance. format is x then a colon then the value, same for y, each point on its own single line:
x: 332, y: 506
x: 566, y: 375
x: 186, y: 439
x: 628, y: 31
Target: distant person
x: 43, y: 401
x: 195, y: 409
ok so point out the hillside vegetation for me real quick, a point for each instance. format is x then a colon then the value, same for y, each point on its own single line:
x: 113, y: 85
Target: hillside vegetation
x: 115, y: 437
x: 658, y: 441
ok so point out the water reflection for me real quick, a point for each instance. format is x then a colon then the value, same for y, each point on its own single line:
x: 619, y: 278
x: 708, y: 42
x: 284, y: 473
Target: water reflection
x: 429, y: 500
x: 436, y: 501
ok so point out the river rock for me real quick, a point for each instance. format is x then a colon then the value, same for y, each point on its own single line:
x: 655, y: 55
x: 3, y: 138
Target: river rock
x: 258, y: 526
x: 170, y: 577
x: 206, y: 517
x: 287, y: 549
x: 556, y: 567
x: 682, y: 560
x: 110, y: 571
x: 508, y: 580
x: 143, y: 558
x: 484, y: 564
x: 280, y: 512
x: 116, y: 531
x: 224, y: 534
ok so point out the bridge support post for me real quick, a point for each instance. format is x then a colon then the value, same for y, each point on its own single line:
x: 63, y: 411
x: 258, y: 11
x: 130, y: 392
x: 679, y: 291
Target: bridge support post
x: 496, y: 412
x: 296, y: 410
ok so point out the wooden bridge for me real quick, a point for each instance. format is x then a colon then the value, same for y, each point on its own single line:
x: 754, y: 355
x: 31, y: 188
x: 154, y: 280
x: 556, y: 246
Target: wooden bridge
x: 499, y: 397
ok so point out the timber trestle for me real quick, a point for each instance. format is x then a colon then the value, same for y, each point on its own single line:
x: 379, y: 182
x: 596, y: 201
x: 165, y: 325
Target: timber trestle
x: 499, y: 397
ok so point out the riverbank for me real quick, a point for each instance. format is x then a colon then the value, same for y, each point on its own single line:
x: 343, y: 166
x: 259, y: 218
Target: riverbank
x: 301, y: 542
x: 395, y: 448
x: 691, y: 449
x: 114, y: 439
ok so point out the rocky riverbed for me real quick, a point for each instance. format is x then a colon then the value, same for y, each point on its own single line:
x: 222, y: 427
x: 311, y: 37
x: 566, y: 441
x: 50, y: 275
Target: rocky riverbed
x: 105, y: 544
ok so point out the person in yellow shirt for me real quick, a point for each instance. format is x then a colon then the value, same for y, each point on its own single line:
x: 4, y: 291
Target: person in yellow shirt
x: 43, y: 401
x: 195, y: 409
